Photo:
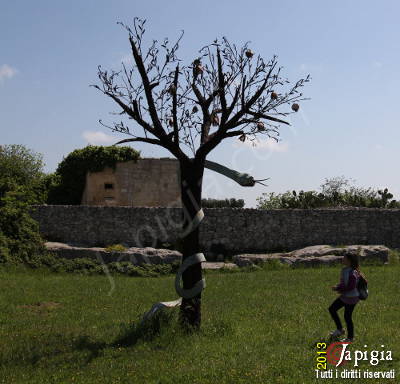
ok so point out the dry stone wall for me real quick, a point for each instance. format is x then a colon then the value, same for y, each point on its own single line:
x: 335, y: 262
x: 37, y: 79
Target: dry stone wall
x: 223, y: 230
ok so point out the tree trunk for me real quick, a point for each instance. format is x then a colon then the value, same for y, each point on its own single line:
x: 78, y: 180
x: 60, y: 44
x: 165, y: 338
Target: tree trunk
x: 191, y: 186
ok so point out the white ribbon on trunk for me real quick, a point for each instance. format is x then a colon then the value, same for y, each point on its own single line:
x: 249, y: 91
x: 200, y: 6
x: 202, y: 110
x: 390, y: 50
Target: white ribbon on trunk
x: 189, y: 261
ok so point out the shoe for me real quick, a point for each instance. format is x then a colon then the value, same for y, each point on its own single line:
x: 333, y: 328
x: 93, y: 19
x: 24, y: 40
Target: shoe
x: 347, y: 340
x: 337, y: 333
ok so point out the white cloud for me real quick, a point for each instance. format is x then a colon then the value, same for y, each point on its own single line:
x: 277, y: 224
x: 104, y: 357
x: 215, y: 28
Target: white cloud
x: 98, y: 138
x: 310, y: 68
x: 7, y: 72
x: 377, y: 64
x: 269, y: 145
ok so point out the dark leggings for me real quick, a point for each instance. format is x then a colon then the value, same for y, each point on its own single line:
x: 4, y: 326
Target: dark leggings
x: 348, y: 311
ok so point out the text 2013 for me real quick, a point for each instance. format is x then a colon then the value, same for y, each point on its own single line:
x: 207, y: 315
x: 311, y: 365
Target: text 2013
x: 321, y: 356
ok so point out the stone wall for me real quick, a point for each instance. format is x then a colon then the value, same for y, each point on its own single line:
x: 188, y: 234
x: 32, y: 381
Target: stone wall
x: 145, y: 182
x: 223, y: 230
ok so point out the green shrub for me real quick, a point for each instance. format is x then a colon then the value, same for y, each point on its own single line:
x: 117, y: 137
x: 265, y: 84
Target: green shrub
x: 394, y: 256
x: 21, y: 185
x: 4, y: 251
x: 115, y: 248
x: 274, y: 264
x: 88, y: 266
x: 354, y: 197
x: 20, y: 240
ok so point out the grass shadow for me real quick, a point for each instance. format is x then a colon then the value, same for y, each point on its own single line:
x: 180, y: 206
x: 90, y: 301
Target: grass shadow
x: 94, y: 348
x: 59, y: 347
x: 163, y: 328
x: 129, y: 335
x: 148, y: 330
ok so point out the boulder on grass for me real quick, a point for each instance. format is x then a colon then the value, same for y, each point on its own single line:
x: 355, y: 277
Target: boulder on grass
x: 317, y: 255
x: 137, y: 256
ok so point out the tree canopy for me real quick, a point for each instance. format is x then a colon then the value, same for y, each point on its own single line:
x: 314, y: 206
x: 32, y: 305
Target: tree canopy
x: 226, y: 91
x: 19, y: 166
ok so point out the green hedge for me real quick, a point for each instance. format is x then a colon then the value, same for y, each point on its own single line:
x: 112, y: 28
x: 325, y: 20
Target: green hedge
x: 311, y: 199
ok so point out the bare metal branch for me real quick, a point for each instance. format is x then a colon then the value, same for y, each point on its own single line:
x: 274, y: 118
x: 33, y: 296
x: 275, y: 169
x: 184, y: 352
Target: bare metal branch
x: 226, y: 91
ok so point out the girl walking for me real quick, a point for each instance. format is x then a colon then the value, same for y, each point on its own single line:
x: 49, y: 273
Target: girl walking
x: 349, y: 296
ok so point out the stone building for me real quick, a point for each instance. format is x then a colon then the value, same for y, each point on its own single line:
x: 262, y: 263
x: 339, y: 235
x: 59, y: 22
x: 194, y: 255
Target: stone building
x: 142, y: 183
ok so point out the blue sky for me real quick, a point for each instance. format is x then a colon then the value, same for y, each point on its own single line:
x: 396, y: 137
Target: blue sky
x: 50, y: 51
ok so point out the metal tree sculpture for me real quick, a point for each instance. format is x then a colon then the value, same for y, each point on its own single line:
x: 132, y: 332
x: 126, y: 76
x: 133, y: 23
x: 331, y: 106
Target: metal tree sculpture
x: 226, y: 92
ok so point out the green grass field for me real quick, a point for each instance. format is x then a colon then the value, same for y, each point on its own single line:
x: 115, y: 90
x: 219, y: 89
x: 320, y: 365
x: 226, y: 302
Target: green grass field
x: 258, y: 327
